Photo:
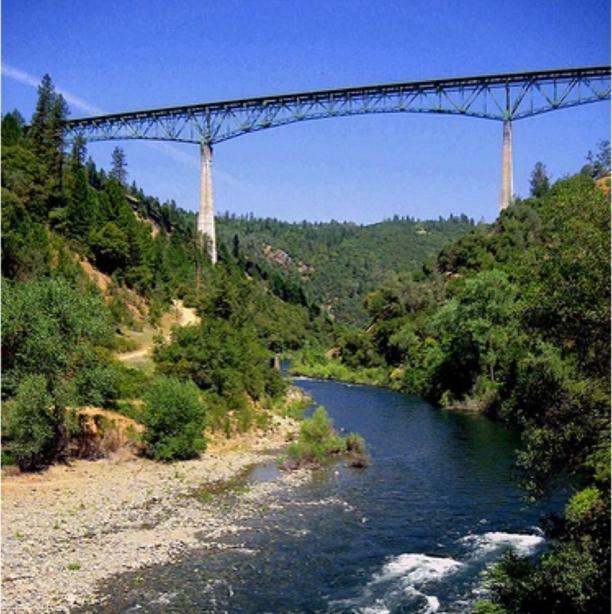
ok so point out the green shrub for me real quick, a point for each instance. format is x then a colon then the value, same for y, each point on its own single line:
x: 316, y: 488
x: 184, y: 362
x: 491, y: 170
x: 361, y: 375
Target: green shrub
x: 110, y: 246
x: 96, y: 378
x: 583, y: 505
x: 357, y: 450
x: 31, y: 424
x: 244, y: 417
x: 174, y: 419
x: 6, y: 458
x: 131, y: 383
x: 317, y: 440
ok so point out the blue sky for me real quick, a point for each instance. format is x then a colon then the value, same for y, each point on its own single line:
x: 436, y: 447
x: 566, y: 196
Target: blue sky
x: 122, y: 55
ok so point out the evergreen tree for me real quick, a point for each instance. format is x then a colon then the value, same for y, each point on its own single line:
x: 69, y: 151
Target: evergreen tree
x: 12, y: 128
x: 598, y: 165
x: 82, y: 203
x: 79, y: 151
x: 46, y: 135
x: 38, y: 129
x: 119, y: 165
x: 539, y: 180
x: 92, y: 174
x: 59, y: 113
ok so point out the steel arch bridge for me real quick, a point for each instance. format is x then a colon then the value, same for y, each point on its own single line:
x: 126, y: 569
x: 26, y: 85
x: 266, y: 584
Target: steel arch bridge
x: 500, y: 97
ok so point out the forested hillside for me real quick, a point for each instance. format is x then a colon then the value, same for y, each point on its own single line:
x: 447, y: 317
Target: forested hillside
x: 85, y: 257
x: 338, y: 263
x: 514, y: 320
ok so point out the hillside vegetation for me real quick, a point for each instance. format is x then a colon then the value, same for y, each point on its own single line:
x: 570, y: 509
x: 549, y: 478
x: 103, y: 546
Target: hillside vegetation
x: 336, y: 264
x: 86, y: 258
x: 514, y: 321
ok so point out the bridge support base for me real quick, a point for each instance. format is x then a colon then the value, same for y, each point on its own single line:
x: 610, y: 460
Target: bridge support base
x: 506, y: 187
x: 206, y: 214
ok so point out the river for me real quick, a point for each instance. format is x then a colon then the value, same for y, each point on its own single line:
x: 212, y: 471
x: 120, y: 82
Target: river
x: 413, y: 532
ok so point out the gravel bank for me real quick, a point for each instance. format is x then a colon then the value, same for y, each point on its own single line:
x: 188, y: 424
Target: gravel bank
x: 70, y: 527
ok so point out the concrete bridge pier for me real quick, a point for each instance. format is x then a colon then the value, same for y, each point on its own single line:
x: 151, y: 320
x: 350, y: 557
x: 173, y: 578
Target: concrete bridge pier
x: 506, y: 187
x: 206, y: 214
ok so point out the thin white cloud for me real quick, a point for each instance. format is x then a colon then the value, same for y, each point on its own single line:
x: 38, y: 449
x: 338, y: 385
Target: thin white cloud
x: 27, y: 79
x: 10, y: 72
x: 19, y: 75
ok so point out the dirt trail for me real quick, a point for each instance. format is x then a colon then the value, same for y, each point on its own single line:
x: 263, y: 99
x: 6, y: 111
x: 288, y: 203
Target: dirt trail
x: 178, y: 315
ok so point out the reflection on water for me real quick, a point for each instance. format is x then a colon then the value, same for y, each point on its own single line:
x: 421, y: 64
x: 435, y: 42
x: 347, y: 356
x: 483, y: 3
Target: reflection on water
x: 411, y: 533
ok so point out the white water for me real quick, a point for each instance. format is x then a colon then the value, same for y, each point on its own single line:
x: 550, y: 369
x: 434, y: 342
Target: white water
x: 415, y: 577
x: 522, y: 544
x: 416, y: 569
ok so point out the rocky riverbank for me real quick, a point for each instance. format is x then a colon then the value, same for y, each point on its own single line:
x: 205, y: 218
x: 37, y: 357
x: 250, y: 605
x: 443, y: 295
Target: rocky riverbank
x: 65, y: 530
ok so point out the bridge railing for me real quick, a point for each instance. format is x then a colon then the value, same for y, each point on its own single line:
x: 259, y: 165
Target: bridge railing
x: 501, y: 97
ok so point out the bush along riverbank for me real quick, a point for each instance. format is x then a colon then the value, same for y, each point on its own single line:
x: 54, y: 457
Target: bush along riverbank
x: 72, y: 526
x: 318, y: 364
x: 318, y: 443
x: 514, y: 321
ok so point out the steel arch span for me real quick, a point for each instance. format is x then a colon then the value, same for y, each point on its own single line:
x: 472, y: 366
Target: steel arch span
x: 500, y: 97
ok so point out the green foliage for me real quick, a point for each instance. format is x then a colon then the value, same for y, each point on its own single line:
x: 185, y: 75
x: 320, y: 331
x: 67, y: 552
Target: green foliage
x: 45, y: 326
x: 31, y: 424
x: 583, y: 505
x: 333, y: 266
x: 356, y: 443
x: 119, y: 164
x: 51, y: 338
x: 81, y: 210
x: 598, y: 164
x: 539, y: 181
x: 218, y: 357
x: 58, y: 206
x: 174, y: 420
x: 313, y: 362
x: 95, y: 377
x: 317, y: 440
x: 6, y: 458
x: 515, y: 320
x: 46, y: 135
x: 12, y: 128
x: 570, y: 577
x: 26, y: 248
x: 110, y: 247
x: 487, y: 607
x: 563, y: 415
x: 357, y: 450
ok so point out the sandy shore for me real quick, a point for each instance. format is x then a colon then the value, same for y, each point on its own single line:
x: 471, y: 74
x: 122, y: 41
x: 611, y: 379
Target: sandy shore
x: 70, y: 527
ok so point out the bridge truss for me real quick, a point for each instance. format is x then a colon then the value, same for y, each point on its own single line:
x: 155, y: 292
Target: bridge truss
x: 500, y: 97
x: 504, y: 97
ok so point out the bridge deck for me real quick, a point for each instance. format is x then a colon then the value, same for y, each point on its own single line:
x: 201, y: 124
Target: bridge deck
x: 542, y: 76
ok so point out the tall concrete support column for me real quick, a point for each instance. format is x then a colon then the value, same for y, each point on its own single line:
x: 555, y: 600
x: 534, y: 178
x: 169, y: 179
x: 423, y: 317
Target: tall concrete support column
x: 206, y: 214
x: 506, y: 186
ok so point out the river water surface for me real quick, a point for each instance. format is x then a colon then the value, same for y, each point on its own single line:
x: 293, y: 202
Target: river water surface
x: 411, y: 533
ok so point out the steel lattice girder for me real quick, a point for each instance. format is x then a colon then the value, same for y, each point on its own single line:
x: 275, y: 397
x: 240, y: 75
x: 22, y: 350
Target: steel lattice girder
x: 498, y: 97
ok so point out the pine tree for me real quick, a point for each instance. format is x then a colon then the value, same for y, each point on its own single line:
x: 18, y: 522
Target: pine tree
x: 38, y: 131
x: 119, y: 165
x: 79, y: 151
x: 539, y: 180
x: 57, y: 117
x: 12, y: 128
x: 82, y: 203
x: 81, y: 207
x: 46, y: 135
x: 92, y: 174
